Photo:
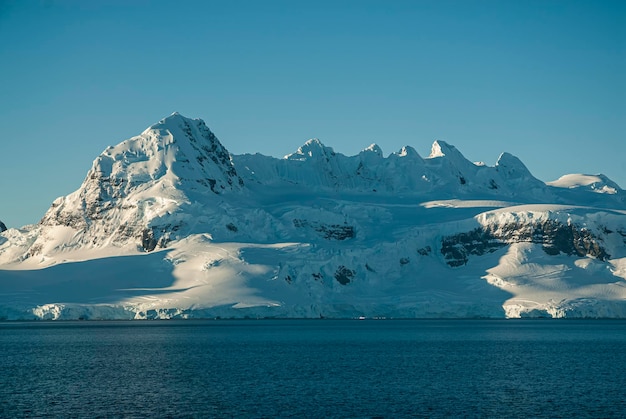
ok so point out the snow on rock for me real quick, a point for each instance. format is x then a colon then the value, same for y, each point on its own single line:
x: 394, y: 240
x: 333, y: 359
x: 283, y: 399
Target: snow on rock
x: 313, y: 149
x: 169, y: 224
x: 592, y: 183
x: 374, y: 149
x: 137, y: 191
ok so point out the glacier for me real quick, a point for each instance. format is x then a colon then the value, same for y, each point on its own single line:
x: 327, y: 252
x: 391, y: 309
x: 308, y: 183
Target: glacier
x: 169, y: 224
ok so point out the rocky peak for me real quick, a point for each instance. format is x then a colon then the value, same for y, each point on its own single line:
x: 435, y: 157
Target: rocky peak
x: 442, y: 152
x: 198, y: 156
x: 312, y: 149
x: 3, y: 227
x: 142, y: 181
x: 370, y: 158
x: 407, y: 151
x: 373, y: 149
x: 512, y: 168
x: 441, y: 149
x: 178, y: 150
x: 450, y: 166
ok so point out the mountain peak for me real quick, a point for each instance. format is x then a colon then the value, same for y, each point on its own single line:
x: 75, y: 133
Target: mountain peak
x: 373, y: 148
x: 175, y: 161
x: 174, y: 119
x: 507, y: 160
x: 512, y: 168
x: 314, y: 142
x: 407, y: 151
x: 183, y: 147
x: 441, y: 148
x: 446, y: 155
x: 312, y: 149
x: 317, y: 234
x: 594, y: 183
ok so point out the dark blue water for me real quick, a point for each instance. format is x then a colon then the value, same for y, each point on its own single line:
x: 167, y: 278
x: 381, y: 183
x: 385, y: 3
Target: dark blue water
x: 314, y: 368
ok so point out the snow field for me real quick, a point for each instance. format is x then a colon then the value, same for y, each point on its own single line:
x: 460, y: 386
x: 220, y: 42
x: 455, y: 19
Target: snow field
x: 167, y: 224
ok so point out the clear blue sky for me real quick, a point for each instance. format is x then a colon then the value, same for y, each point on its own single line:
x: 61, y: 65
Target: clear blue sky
x: 543, y: 80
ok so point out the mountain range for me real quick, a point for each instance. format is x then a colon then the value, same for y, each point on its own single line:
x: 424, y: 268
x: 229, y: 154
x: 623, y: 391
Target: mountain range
x: 169, y: 224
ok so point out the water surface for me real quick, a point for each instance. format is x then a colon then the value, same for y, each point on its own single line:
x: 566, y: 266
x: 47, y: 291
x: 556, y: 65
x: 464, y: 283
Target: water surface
x: 314, y: 368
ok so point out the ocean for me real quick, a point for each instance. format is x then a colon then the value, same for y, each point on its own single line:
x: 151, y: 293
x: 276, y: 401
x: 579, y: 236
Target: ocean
x: 314, y: 368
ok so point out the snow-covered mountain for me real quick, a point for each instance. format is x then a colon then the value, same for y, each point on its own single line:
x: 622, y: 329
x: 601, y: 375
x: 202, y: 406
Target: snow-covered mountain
x: 170, y: 224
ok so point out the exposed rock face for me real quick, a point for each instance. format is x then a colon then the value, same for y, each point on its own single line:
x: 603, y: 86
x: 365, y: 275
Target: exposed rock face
x: 457, y: 248
x: 157, y: 236
x: 134, y: 188
x: 327, y: 231
x: 344, y: 275
x: 316, y: 233
x: 316, y: 166
x: 2, y: 227
x: 214, y: 159
x: 556, y: 237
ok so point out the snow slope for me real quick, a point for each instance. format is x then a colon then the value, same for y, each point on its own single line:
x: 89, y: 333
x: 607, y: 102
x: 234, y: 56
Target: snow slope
x: 168, y: 224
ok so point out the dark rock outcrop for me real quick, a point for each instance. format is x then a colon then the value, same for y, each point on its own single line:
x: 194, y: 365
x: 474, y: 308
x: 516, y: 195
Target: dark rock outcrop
x: 344, y: 275
x: 424, y: 251
x: 157, y: 236
x: 206, y: 148
x: 554, y: 236
x: 3, y: 227
x: 327, y: 231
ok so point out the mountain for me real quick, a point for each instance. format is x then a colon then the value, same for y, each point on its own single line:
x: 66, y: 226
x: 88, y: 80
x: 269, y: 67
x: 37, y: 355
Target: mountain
x: 169, y: 224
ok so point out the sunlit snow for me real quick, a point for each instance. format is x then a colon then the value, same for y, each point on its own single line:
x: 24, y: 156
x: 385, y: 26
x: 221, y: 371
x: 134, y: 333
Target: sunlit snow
x: 168, y: 224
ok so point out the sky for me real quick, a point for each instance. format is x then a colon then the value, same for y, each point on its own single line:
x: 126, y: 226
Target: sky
x: 543, y: 80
